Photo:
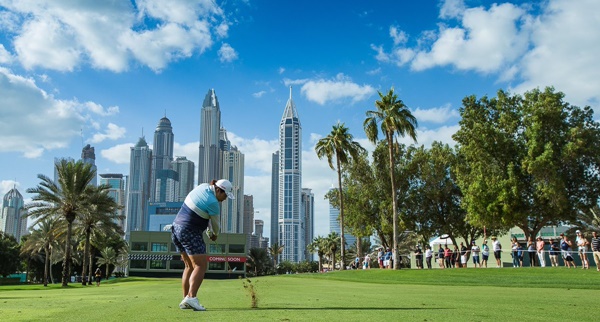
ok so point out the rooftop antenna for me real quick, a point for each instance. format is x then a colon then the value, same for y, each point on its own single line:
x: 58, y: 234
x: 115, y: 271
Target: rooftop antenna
x: 290, y: 91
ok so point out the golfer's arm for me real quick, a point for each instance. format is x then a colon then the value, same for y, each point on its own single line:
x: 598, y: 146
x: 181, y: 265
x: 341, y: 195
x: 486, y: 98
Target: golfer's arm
x: 214, y: 224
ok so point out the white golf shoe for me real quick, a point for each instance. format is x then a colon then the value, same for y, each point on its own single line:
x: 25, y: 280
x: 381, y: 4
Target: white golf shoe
x: 192, y: 303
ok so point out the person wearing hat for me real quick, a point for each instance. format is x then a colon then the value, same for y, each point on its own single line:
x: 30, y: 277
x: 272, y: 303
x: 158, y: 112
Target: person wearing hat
x: 497, y: 247
x: 539, y: 246
x: 200, y: 210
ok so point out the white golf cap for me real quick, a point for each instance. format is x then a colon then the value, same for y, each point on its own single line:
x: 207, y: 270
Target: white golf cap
x: 225, y: 185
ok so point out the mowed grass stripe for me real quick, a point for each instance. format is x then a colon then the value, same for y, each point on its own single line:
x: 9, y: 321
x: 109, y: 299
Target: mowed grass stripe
x: 350, y: 296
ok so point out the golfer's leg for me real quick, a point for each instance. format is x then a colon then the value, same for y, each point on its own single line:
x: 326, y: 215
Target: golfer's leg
x: 199, y: 263
x: 187, y: 272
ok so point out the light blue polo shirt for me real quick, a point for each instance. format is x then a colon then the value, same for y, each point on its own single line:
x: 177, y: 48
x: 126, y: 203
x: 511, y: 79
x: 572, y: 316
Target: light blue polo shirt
x: 199, y: 204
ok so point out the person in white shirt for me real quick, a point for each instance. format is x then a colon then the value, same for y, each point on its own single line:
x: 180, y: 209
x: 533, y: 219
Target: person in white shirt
x: 428, y: 256
x: 497, y: 247
x: 475, y: 253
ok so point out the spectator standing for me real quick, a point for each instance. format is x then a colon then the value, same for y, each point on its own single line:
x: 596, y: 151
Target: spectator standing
x: 531, y: 251
x: 448, y: 257
x: 566, y: 249
x: 475, y: 253
x: 419, y: 257
x: 367, y: 262
x: 485, y: 253
x: 596, y: 249
x: 514, y: 247
x: 582, y: 243
x: 497, y: 247
x: 456, y: 257
x: 539, y: 246
x: 387, y: 259
x: 463, y: 255
x: 440, y: 256
x: 380, y: 257
x: 428, y: 256
x: 554, y: 251
x: 520, y: 254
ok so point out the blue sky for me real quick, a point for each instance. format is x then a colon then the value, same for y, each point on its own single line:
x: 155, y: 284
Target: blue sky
x: 101, y: 72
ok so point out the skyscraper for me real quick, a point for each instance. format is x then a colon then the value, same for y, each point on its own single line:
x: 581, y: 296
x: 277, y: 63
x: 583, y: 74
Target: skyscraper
x: 290, y: 184
x: 89, y: 156
x: 248, y: 219
x: 185, y: 170
x: 210, y: 125
x: 13, y: 218
x: 117, y: 192
x: 163, y: 180
x: 308, y: 212
x: 139, y: 186
x: 275, y: 198
x: 232, y: 169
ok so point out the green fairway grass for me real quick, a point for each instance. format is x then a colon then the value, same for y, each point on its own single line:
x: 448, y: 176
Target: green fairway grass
x: 530, y: 294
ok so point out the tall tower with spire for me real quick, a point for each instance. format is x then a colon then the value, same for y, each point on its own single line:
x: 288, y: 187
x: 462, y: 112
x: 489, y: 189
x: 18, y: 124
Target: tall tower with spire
x: 13, y: 217
x: 210, y: 125
x: 290, y: 218
x: 163, y: 180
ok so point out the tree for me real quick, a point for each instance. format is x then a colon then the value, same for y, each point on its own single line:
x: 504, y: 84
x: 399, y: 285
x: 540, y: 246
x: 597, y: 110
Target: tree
x: 44, y: 239
x: 258, y: 261
x: 274, y: 250
x: 394, y: 118
x: 9, y: 254
x: 332, y: 244
x: 529, y: 161
x: 99, y: 212
x: 108, y: 256
x: 339, y: 144
x: 66, y: 198
x: 318, y: 246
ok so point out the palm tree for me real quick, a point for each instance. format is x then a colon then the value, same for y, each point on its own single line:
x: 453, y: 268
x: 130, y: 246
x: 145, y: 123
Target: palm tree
x: 274, y: 251
x: 67, y: 199
x: 43, y: 238
x: 395, y: 118
x: 100, y: 212
x: 318, y: 246
x: 258, y: 260
x: 332, y: 244
x: 108, y: 256
x: 339, y: 143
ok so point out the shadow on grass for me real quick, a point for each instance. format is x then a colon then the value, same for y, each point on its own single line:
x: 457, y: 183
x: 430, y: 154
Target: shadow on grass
x: 334, y: 308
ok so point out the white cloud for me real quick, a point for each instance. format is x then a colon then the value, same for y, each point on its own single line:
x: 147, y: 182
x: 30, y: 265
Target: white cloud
x: 398, y: 36
x: 452, y: 9
x: 63, y: 35
x: 5, y: 56
x: 566, y: 47
x: 32, y: 121
x: 119, y: 154
x: 322, y: 91
x: 227, y: 53
x: 259, y: 94
x: 100, y: 110
x: 436, y: 115
x: 6, y: 185
x: 427, y: 136
x: 112, y: 132
x: 281, y: 70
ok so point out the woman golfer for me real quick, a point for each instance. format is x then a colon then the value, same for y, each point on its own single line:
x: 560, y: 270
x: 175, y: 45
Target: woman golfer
x: 201, y: 207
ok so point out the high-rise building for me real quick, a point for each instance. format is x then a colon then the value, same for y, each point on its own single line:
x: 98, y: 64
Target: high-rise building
x: 139, y: 187
x: 13, y: 218
x: 89, y: 156
x: 275, y: 198
x: 117, y: 184
x: 307, y: 209
x: 232, y: 169
x: 163, y: 180
x: 210, y: 125
x: 334, y: 224
x: 185, y: 170
x: 248, y: 218
x: 290, y: 185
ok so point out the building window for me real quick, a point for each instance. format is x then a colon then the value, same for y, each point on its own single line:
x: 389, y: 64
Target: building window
x: 159, y: 247
x: 216, y: 266
x: 235, y: 248
x: 139, y: 246
x: 176, y: 264
x: 157, y: 264
x: 216, y: 249
x: 137, y: 263
x: 173, y: 248
x: 236, y: 266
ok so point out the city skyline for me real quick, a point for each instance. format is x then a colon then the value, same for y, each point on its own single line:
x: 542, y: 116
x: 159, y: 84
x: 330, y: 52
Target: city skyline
x: 69, y: 78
